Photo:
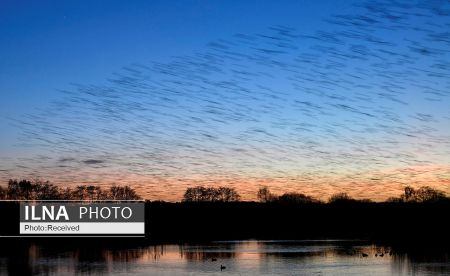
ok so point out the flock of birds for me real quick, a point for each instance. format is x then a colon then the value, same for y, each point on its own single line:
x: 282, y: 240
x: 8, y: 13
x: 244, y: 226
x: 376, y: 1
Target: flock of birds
x: 361, y: 105
x: 362, y: 254
x: 387, y: 253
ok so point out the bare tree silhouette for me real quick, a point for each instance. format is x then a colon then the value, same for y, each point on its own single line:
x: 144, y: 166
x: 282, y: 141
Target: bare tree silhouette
x: 264, y: 195
x: 122, y: 193
x: 296, y: 198
x: 38, y: 190
x: 340, y: 197
x: 423, y: 194
x: 210, y: 194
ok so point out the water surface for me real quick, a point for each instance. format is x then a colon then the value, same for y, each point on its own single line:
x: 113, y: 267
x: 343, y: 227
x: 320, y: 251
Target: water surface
x: 319, y: 257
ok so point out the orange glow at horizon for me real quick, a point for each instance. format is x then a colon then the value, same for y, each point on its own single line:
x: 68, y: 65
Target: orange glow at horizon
x: 377, y: 186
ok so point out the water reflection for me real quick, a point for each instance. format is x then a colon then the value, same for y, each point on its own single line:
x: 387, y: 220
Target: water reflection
x: 326, y: 257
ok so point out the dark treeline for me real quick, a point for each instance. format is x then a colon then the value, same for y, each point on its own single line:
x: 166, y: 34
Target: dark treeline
x: 422, y: 195
x: 405, y: 222
x: 38, y: 190
x: 264, y: 195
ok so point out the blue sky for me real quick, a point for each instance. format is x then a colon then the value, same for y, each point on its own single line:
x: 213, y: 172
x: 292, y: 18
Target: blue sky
x: 49, y: 45
x: 356, y: 88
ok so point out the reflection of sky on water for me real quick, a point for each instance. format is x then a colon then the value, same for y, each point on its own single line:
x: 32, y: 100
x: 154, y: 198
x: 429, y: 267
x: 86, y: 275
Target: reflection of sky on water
x: 240, y: 258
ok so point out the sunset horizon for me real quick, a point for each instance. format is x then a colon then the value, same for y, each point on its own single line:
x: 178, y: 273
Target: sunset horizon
x: 198, y: 137
x: 354, y: 187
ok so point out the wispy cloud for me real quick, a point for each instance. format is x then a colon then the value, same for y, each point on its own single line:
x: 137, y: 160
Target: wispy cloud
x: 93, y: 161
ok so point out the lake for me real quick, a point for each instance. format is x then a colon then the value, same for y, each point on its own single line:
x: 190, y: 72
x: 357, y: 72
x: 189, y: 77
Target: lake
x: 307, y: 257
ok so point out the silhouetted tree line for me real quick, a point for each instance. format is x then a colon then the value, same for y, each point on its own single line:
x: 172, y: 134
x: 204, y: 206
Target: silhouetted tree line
x: 264, y: 195
x: 223, y: 194
x: 210, y: 194
x: 38, y: 190
x: 423, y: 194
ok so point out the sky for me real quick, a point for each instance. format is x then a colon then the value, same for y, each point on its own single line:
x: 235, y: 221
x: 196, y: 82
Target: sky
x: 316, y: 97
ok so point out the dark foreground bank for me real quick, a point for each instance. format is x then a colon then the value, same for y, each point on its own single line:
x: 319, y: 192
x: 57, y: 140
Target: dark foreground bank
x: 400, y: 222
x: 205, y: 221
